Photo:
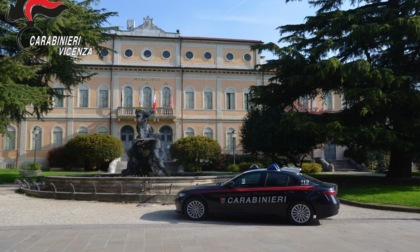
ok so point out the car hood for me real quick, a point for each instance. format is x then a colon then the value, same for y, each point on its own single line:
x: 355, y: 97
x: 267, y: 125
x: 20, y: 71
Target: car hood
x: 203, y: 187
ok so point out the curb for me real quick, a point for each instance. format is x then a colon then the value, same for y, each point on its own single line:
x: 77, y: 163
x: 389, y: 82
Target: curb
x: 381, y: 207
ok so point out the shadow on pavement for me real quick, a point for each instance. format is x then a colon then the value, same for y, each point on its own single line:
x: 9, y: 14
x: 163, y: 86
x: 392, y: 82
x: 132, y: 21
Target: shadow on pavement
x: 172, y: 217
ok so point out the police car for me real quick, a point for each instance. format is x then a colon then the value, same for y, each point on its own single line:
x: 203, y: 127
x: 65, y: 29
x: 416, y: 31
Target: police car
x: 263, y: 191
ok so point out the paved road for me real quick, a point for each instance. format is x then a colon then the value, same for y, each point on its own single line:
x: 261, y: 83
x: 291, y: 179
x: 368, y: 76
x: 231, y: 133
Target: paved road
x: 30, y: 224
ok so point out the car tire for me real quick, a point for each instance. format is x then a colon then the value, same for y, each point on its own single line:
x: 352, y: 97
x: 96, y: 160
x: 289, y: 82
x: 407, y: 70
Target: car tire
x: 195, y: 209
x: 300, y: 213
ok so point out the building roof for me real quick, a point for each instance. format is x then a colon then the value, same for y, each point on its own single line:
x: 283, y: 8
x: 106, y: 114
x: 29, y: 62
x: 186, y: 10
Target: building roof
x: 149, y: 30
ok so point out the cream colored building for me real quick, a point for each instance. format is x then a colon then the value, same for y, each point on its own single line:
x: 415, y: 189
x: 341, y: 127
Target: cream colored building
x: 200, y: 86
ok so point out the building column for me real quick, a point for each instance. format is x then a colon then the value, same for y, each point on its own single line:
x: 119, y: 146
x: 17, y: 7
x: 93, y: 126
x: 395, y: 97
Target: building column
x: 22, y: 144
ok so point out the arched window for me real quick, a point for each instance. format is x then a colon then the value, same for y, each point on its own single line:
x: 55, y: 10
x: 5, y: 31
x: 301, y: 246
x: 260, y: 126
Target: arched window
x: 147, y: 97
x: 208, y: 99
x: 103, y: 130
x: 328, y: 101
x: 166, y: 101
x: 9, y: 139
x: 83, y: 97
x: 57, y: 137
x: 230, y: 138
x: 189, y: 98
x: 208, y: 132
x: 58, y: 100
x: 230, y: 99
x: 247, y: 102
x: 103, y: 97
x: 36, y: 138
x: 128, y: 97
x: 82, y: 130
x: 189, y: 132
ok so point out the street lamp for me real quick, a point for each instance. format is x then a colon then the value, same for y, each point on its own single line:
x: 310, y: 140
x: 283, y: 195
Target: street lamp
x: 233, y: 145
x: 35, y: 132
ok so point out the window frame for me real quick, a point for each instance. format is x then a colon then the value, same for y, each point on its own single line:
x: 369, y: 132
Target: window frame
x: 83, y: 102
x: 230, y: 99
x: 189, y: 98
x: 54, y: 142
x: 9, y: 142
x: 205, y: 99
x: 100, y: 101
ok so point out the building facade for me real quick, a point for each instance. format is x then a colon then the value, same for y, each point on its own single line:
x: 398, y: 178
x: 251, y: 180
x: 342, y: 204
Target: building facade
x: 195, y: 85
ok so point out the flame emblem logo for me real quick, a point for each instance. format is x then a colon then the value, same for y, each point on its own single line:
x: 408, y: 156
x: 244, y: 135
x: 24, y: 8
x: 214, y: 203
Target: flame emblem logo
x: 29, y: 10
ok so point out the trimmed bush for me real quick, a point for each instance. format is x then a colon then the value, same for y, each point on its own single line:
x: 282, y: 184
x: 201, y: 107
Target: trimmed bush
x: 34, y: 166
x: 195, y: 151
x: 57, y: 158
x: 233, y: 168
x: 92, y: 151
x: 311, y: 167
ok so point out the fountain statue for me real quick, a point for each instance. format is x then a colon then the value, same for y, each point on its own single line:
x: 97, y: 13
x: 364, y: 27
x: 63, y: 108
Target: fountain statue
x: 145, y: 157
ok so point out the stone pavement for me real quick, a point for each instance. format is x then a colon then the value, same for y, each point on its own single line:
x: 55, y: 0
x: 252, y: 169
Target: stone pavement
x: 32, y: 224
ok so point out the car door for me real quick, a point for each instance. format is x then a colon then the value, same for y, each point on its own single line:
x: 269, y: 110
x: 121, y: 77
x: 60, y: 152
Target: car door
x: 239, y: 197
x: 278, y: 191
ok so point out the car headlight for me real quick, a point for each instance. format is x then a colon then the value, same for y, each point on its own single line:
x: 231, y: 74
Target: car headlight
x: 181, y: 194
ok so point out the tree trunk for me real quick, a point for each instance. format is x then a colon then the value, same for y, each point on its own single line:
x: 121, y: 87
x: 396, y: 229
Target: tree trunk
x: 399, y: 165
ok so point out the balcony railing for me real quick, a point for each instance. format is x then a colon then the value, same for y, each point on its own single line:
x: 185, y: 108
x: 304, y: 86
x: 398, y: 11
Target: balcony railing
x: 159, y: 113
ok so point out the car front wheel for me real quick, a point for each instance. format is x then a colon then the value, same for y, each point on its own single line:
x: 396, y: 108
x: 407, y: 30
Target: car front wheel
x: 195, y: 209
x: 300, y: 213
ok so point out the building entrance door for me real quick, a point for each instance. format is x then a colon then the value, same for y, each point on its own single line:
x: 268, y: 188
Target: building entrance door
x: 329, y: 151
x: 166, y: 137
x: 127, y: 137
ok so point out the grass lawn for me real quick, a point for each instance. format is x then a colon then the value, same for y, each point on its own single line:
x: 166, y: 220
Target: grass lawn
x: 377, y: 190
x: 400, y: 195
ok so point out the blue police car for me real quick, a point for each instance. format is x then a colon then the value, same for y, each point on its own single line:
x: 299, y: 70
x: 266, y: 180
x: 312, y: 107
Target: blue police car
x: 263, y: 191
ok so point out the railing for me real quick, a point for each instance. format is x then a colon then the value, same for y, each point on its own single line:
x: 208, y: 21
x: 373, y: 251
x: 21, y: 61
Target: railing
x: 130, y: 112
x: 114, y: 188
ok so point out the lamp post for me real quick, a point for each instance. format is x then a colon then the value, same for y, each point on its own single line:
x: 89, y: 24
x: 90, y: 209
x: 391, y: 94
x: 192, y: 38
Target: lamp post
x: 35, y: 132
x: 233, y: 145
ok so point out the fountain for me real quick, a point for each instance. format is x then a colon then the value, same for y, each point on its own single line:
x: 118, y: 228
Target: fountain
x: 145, y: 180
x: 145, y: 157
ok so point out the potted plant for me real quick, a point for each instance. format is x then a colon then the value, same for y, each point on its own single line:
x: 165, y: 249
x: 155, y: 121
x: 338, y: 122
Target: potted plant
x: 33, y: 169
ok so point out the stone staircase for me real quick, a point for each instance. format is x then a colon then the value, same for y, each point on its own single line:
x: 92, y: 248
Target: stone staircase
x: 343, y: 165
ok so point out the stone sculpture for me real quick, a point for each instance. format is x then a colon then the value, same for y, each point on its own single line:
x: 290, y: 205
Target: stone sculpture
x: 145, y: 157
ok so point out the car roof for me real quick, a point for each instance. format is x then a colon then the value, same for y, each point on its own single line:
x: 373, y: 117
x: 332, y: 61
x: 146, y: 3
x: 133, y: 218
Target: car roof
x: 294, y: 170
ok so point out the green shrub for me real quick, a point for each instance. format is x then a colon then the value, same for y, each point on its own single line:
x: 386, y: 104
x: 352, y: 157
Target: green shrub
x: 233, y: 168
x: 311, y: 167
x: 34, y: 166
x: 195, y: 151
x: 57, y: 158
x: 92, y: 151
x: 248, y: 158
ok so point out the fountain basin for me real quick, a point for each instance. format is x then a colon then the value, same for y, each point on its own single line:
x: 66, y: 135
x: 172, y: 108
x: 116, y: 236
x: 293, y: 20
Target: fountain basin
x: 113, y: 188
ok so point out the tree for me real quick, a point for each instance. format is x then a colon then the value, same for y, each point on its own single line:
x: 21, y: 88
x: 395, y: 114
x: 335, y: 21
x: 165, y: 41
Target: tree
x: 370, y: 54
x: 274, y: 133
x: 194, y: 150
x: 93, y: 150
x: 25, y: 75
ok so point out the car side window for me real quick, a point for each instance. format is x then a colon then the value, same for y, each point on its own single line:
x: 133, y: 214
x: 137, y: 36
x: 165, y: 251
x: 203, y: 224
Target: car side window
x: 279, y: 179
x: 248, y: 180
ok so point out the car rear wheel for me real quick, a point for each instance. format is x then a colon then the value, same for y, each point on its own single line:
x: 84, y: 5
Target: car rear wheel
x: 195, y: 209
x: 300, y: 213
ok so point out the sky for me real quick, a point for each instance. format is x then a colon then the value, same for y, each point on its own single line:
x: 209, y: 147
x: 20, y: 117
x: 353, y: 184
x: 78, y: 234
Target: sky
x: 234, y: 19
